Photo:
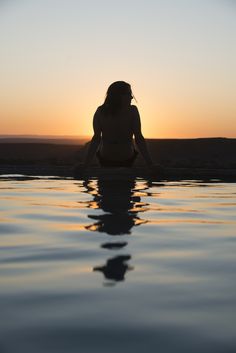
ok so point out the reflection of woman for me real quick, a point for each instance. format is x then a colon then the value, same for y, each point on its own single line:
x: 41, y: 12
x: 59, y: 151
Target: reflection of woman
x: 115, y: 123
x: 115, y: 268
x: 120, y: 205
x: 117, y: 200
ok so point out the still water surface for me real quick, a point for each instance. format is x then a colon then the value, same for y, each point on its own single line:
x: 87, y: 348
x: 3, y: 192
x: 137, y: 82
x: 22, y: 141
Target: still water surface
x: 111, y: 266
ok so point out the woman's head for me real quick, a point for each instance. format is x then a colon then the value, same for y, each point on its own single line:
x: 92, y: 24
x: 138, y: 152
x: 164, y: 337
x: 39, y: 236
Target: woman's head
x: 119, y: 94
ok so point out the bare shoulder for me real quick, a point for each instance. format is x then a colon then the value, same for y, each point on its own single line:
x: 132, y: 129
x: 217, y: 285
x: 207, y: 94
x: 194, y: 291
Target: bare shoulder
x: 99, y: 110
x: 135, y: 112
x: 98, y: 113
x: 134, y: 109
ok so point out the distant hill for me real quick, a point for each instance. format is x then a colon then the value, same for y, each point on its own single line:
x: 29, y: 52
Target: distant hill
x: 188, y: 153
x: 199, y: 152
x: 65, y: 140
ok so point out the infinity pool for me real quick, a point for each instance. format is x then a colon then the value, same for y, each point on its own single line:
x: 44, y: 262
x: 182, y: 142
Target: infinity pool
x: 117, y: 266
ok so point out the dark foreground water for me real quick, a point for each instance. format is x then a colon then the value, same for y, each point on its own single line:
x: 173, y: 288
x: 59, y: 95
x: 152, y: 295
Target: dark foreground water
x: 117, y: 266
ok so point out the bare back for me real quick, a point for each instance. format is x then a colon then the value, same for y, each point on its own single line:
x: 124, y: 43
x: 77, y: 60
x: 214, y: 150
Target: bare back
x: 116, y: 133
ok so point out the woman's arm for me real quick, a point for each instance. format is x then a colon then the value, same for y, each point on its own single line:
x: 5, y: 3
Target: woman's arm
x: 139, y: 139
x: 95, y: 142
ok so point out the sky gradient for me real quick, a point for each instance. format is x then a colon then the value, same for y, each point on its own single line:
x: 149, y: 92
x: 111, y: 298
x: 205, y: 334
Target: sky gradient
x: 59, y: 56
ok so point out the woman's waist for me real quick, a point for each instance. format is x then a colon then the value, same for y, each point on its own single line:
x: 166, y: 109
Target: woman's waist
x: 116, y: 151
x: 117, y: 141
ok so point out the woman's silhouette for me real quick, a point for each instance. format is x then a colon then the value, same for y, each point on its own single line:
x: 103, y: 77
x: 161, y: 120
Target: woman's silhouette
x: 115, y: 123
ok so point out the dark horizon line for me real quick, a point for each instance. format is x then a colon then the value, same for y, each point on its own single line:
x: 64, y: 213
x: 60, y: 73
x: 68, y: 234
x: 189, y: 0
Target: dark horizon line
x: 9, y: 136
x: 40, y: 136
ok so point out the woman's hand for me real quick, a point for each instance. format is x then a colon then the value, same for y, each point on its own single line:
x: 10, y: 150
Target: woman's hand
x: 156, y: 168
x: 80, y: 168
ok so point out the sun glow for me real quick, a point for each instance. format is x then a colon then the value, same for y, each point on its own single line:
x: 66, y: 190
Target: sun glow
x: 180, y: 63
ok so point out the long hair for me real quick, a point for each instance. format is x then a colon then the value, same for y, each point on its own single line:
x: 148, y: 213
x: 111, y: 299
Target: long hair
x: 113, y: 101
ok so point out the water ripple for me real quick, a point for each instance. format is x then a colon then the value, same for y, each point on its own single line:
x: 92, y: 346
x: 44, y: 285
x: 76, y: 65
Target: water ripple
x: 137, y: 266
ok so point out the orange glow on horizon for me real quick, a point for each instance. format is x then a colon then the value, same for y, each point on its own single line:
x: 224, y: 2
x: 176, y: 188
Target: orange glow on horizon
x: 162, y: 116
x: 55, y: 69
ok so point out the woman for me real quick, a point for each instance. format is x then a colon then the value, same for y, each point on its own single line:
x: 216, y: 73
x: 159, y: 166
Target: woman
x: 115, y: 123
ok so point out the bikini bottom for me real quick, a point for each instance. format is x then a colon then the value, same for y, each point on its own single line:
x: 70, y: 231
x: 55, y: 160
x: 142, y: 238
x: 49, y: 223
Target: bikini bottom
x: 109, y: 163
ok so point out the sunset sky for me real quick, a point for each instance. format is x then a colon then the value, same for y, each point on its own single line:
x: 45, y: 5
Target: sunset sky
x: 59, y: 56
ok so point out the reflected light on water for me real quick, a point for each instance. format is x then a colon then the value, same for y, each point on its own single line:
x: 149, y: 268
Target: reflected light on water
x: 118, y: 261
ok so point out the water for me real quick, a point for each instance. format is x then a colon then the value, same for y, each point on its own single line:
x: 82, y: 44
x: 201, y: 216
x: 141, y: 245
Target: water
x: 111, y: 266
